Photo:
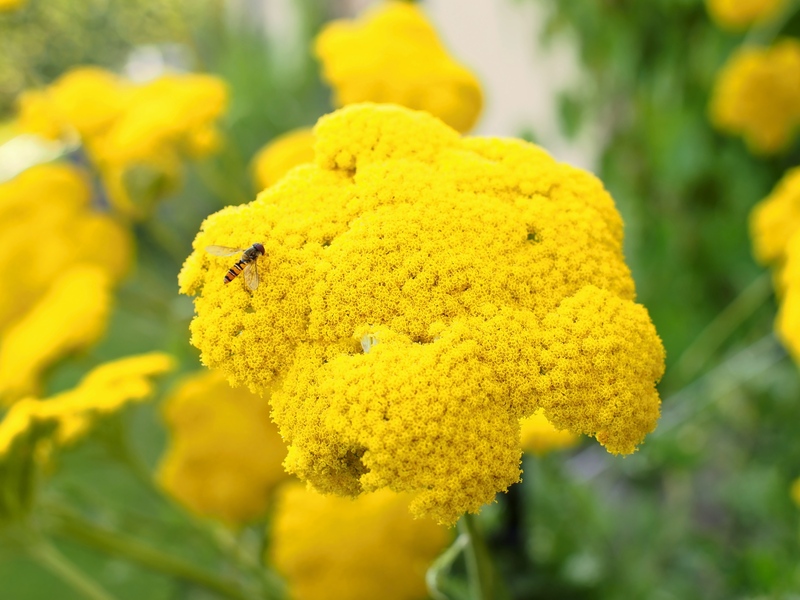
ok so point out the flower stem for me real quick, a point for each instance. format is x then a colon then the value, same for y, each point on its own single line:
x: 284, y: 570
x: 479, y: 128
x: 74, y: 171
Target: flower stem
x: 49, y: 557
x: 480, y: 571
x: 442, y: 564
x: 110, y: 542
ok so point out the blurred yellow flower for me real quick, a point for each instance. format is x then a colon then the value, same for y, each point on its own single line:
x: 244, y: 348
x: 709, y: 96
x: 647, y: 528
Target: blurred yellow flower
x: 71, y: 315
x: 330, y: 547
x: 539, y: 436
x: 8, y: 5
x: 392, y: 54
x: 128, y: 128
x: 32, y: 428
x: 59, y: 258
x: 82, y: 103
x: 420, y: 294
x: 775, y: 231
x: 757, y: 96
x: 171, y: 114
x: 225, y: 454
x: 776, y: 219
x: 740, y: 14
x: 281, y: 154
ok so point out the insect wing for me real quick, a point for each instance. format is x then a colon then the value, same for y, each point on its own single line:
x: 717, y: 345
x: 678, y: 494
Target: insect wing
x: 223, y: 250
x: 251, y: 275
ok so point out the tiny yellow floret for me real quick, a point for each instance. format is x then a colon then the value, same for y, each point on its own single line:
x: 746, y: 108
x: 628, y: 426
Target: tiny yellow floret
x: 280, y: 155
x: 224, y: 456
x: 393, y: 54
x: 329, y: 547
x: 757, y: 96
x: 737, y: 15
x: 421, y: 293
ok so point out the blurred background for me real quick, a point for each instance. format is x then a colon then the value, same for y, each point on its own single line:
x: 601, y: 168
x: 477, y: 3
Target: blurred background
x: 618, y: 87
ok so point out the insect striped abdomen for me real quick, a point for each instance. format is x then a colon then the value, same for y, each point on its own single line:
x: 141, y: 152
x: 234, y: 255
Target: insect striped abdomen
x: 234, y: 271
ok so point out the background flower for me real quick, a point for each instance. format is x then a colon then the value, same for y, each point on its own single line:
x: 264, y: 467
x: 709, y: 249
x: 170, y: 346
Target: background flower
x: 393, y: 54
x: 757, y: 96
x: 330, y: 547
x: 224, y: 455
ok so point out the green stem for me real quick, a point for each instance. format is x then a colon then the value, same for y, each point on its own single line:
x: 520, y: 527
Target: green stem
x: 49, y: 557
x: 719, y: 330
x: 442, y: 565
x: 110, y: 542
x: 480, y: 571
x: 765, y: 33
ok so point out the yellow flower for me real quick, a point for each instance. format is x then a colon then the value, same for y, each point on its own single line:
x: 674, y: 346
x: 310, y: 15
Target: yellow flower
x: 9, y: 5
x: 775, y: 231
x: 776, y: 219
x: 58, y: 258
x: 330, y: 547
x: 281, y: 154
x: 225, y: 454
x: 71, y: 315
x: 393, y: 55
x: 757, y: 96
x: 538, y: 436
x: 420, y: 294
x: 83, y: 102
x: 33, y: 428
x: 174, y: 113
x: 135, y: 135
x: 740, y: 14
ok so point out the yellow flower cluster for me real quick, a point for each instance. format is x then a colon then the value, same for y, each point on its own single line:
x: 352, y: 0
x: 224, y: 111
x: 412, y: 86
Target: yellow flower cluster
x: 225, y: 454
x: 539, y: 436
x: 740, y: 14
x: 794, y: 491
x: 757, y: 96
x: 393, y: 55
x: 774, y: 225
x: 33, y: 428
x: 281, y: 154
x: 420, y: 294
x: 59, y: 259
x: 127, y: 128
x: 330, y: 547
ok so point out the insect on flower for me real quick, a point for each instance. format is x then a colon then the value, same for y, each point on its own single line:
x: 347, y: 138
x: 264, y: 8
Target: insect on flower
x: 247, y: 263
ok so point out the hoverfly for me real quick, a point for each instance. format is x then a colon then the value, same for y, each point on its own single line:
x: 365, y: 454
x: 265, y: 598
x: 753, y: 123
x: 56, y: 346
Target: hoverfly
x: 247, y: 263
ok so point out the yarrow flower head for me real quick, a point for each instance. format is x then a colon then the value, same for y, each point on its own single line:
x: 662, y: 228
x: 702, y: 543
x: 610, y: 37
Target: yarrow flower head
x: 757, y: 96
x: 538, y: 435
x: 420, y: 294
x: 740, y: 14
x: 225, y: 455
x: 135, y: 134
x: 32, y: 429
x: 392, y: 54
x: 775, y: 225
x: 387, y: 553
x: 275, y: 159
x: 59, y: 259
